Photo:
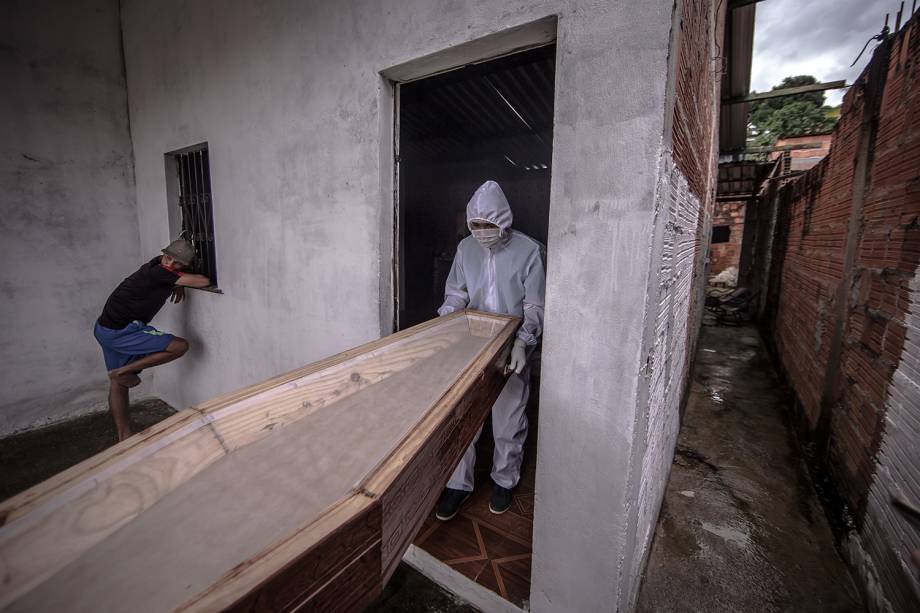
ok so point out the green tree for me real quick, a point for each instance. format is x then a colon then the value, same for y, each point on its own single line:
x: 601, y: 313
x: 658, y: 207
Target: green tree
x: 794, y: 115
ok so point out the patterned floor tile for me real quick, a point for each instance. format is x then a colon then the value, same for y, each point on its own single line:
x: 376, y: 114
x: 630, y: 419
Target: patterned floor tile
x: 493, y: 550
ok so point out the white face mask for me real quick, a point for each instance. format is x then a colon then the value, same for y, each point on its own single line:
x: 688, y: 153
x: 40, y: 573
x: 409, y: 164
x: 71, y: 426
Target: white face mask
x: 487, y: 237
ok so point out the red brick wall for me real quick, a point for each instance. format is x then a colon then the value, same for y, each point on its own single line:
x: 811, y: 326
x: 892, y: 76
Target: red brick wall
x: 815, y: 291
x: 694, y: 132
x: 694, y: 100
x: 724, y: 255
x: 887, y: 258
x: 812, y: 228
x: 824, y: 139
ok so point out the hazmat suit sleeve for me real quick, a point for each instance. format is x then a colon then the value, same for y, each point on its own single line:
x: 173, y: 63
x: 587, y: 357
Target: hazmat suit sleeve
x: 456, y: 296
x: 534, y: 292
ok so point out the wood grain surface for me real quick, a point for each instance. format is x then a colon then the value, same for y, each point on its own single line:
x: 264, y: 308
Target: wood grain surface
x: 286, y: 495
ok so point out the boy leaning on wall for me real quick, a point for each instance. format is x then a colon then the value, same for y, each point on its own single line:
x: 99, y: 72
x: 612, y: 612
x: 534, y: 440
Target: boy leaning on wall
x: 129, y: 343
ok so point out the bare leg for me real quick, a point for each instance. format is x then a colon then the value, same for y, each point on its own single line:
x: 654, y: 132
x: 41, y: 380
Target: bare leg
x: 127, y: 374
x: 118, y: 406
x: 125, y: 380
x: 122, y: 378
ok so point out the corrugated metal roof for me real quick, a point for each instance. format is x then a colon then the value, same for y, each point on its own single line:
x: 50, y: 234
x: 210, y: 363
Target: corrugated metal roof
x: 736, y: 80
x: 739, y: 178
x: 742, y: 179
x: 502, y: 109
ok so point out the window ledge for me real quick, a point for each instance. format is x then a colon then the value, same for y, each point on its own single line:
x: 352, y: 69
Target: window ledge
x: 211, y: 290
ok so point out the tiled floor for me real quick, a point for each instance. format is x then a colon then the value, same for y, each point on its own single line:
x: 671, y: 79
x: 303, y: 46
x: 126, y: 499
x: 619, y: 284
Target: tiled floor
x: 493, y: 550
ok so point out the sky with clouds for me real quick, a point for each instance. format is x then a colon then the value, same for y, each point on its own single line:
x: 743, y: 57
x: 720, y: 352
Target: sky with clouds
x: 816, y: 37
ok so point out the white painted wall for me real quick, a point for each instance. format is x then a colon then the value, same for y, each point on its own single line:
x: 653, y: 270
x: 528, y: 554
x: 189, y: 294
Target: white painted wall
x: 69, y: 230
x: 290, y: 99
x: 298, y: 119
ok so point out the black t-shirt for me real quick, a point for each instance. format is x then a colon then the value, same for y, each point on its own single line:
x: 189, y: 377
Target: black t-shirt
x: 140, y: 296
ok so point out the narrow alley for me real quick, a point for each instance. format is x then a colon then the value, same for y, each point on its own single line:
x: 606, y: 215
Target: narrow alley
x: 741, y: 528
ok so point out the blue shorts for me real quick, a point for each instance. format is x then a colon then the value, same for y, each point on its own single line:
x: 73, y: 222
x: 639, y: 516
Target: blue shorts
x: 134, y: 341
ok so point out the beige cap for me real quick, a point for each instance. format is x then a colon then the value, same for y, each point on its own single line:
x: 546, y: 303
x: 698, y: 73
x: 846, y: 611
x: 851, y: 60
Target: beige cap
x: 181, y: 250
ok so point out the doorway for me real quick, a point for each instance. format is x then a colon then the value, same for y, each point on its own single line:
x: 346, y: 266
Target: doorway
x: 489, y: 120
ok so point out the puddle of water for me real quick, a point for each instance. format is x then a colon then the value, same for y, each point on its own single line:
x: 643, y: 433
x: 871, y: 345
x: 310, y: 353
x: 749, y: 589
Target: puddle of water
x: 741, y: 538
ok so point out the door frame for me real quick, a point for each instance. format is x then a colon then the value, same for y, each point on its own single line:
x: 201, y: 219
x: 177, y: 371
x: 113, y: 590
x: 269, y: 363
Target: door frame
x: 513, y: 40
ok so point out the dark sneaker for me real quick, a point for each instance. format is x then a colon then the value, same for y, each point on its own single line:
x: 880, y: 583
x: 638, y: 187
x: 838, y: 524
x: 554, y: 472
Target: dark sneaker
x: 501, y: 499
x: 450, y: 502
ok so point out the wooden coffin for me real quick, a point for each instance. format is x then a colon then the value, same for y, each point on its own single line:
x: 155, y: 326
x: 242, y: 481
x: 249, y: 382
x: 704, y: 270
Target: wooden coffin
x: 301, y: 492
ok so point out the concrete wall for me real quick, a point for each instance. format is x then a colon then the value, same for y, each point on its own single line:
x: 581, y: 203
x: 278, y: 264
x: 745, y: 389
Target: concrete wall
x: 602, y: 219
x: 69, y: 232
x: 684, y: 203
x: 840, y: 313
x: 292, y: 116
x: 298, y: 119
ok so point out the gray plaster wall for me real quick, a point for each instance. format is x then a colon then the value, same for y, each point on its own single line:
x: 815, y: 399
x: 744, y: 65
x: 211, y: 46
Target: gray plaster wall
x: 69, y: 228
x: 290, y: 98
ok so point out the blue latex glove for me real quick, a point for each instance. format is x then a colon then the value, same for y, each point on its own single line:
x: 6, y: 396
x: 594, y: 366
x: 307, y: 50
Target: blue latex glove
x: 518, y: 357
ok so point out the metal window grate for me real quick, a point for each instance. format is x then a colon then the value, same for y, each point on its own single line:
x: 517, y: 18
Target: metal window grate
x: 194, y: 176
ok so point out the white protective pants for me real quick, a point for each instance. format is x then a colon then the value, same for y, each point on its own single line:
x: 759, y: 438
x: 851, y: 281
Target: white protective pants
x: 509, y: 429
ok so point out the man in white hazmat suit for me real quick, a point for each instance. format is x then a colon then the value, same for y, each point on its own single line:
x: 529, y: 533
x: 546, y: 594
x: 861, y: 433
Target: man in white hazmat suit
x: 498, y: 270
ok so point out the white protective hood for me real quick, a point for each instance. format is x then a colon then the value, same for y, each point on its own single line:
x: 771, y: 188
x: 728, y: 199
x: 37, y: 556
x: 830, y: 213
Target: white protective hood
x: 489, y: 204
x: 509, y: 278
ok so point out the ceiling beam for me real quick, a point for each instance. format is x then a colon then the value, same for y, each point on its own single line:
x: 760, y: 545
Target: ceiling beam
x: 774, y: 148
x: 739, y: 196
x: 788, y: 91
x: 737, y: 4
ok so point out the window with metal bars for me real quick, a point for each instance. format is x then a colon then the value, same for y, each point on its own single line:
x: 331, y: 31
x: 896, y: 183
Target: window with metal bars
x: 196, y: 213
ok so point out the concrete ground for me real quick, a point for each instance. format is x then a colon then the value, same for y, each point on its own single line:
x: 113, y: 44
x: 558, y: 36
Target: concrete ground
x: 31, y: 457
x: 409, y: 591
x: 741, y: 528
